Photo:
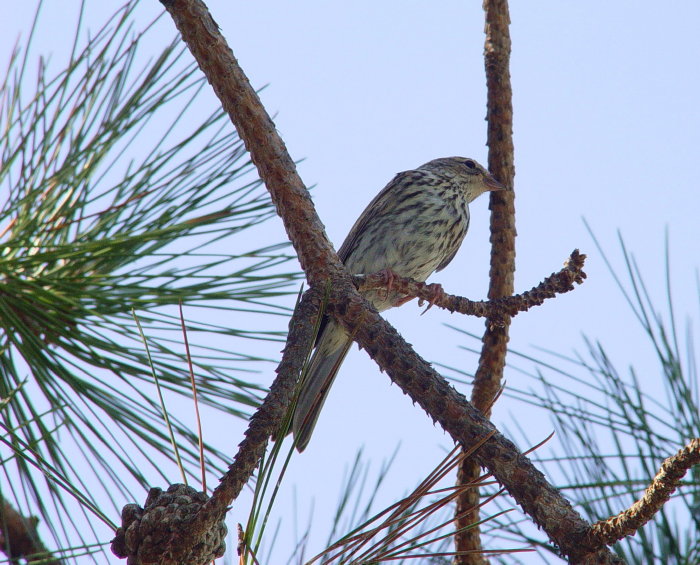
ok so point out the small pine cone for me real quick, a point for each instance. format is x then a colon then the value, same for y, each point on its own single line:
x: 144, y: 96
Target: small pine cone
x: 161, y: 532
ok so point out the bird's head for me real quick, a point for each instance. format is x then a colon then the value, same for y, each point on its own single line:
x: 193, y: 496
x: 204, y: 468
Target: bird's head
x: 471, y: 177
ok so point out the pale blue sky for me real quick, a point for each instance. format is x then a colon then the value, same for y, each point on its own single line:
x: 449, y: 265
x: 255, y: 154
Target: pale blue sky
x: 607, y: 127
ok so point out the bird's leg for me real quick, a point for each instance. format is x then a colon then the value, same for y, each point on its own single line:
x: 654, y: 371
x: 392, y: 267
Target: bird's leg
x: 389, y: 278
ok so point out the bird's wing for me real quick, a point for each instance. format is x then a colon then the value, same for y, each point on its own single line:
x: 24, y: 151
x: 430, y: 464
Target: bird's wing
x: 375, y: 208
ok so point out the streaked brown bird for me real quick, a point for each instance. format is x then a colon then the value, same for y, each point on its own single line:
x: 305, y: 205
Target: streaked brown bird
x: 412, y: 228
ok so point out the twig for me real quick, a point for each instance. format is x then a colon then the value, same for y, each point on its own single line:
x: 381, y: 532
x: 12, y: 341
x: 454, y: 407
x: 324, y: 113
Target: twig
x: 501, y: 164
x: 195, y: 398
x: 668, y: 478
x: 497, y: 310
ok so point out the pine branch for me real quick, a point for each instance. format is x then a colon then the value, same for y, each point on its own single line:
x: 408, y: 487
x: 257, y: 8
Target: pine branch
x: 320, y: 264
x: 668, y: 478
x: 497, y: 310
x: 487, y: 379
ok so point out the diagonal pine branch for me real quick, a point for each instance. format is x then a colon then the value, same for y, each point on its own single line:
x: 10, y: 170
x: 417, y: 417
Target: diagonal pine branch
x: 665, y: 482
x: 255, y: 127
x: 413, y: 374
x: 467, y: 425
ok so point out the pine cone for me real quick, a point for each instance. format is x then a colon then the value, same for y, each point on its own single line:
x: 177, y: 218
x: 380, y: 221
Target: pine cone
x: 161, y: 532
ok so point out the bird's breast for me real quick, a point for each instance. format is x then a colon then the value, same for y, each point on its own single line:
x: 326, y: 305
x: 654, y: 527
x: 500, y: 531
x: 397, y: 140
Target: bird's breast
x: 413, y: 239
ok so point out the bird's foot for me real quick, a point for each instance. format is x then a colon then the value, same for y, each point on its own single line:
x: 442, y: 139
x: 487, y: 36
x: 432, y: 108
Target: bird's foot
x: 389, y: 278
x: 436, y: 292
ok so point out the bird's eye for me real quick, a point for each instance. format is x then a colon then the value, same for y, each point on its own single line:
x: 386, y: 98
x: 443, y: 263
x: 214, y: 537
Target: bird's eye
x: 470, y: 164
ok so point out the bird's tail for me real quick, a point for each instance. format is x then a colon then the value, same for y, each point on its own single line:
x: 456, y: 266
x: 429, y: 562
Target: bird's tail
x: 330, y: 351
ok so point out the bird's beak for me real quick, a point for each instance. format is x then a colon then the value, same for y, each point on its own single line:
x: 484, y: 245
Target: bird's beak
x: 492, y: 184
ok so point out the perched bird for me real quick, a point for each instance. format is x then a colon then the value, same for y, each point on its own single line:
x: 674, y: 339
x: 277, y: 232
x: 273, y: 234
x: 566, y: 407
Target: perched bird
x: 412, y: 228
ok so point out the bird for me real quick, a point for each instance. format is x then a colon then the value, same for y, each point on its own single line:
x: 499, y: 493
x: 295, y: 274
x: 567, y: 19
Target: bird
x: 411, y: 229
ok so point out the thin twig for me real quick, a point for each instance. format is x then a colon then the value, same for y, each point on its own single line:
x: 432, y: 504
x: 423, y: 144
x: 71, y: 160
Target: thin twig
x: 668, y: 478
x: 497, y: 310
x: 195, y: 399
x: 266, y: 420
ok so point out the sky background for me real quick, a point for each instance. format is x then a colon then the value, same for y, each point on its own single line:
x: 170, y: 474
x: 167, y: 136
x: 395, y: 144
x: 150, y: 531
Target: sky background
x: 606, y: 126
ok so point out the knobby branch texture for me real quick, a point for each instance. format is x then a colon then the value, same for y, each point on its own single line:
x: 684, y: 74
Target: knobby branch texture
x: 498, y: 310
x: 255, y: 127
x: 499, y: 115
x: 265, y: 423
x: 656, y: 495
x: 467, y: 425
x: 321, y: 265
x: 501, y: 163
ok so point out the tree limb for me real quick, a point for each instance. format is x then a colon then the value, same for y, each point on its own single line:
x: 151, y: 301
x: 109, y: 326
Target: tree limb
x: 255, y: 127
x: 320, y: 263
x: 488, y: 376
